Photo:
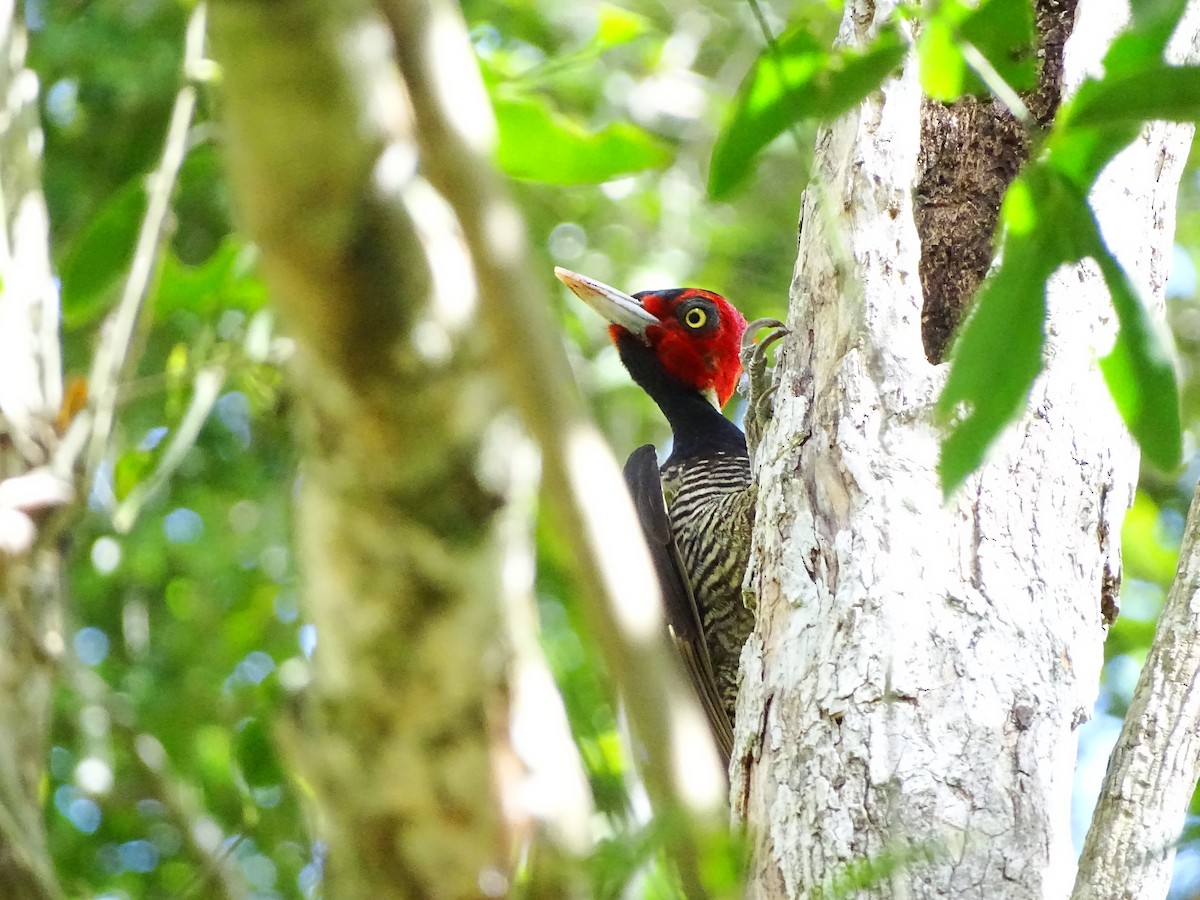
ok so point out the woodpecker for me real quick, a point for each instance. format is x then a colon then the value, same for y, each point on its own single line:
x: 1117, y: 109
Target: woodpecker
x: 686, y: 347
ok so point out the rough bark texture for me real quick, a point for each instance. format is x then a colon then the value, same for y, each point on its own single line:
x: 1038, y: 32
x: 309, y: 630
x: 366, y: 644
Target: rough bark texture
x: 399, y: 486
x: 1153, y: 769
x: 30, y: 396
x: 971, y: 151
x: 919, y: 666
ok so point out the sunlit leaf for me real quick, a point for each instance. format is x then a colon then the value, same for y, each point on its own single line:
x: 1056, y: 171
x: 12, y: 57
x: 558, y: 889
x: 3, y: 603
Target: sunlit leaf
x: 618, y: 26
x: 1155, y: 92
x: 943, y: 70
x: 225, y: 280
x: 129, y: 470
x: 539, y: 144
x: 1000, y: 30
x: 799, y: 79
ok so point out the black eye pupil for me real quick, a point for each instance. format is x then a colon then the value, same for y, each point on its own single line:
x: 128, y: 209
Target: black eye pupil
x: 695, y: 317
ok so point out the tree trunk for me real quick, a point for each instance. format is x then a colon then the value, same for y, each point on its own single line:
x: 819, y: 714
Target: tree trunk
x: 404, y: 734
x: 912, y: 689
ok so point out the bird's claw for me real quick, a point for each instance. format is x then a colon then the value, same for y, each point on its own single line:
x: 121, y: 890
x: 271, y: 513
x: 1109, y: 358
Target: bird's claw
x: 756, y: 385
x: 779, y: 330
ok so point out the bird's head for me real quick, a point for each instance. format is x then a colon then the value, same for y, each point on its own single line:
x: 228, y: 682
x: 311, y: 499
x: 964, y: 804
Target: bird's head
x: 695, y: 335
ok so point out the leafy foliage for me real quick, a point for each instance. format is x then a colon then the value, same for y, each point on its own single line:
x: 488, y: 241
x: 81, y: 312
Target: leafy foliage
x: 1047, y: 222
x: 999, y: 31
x: 538, y: 144
x: 799, y: 78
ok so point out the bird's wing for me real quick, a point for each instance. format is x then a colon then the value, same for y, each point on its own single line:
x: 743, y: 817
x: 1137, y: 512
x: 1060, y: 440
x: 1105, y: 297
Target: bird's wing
x: 687, y: 631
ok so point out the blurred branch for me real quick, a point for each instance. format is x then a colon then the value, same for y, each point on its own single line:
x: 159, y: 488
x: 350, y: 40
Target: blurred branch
x: 112, y: 356
x: 205, y: 389
x: 1153, y: 768
x: 618, y: 586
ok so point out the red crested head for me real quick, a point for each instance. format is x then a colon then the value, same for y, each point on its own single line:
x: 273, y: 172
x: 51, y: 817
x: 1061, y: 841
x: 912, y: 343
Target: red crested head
x: 695, y: 335
x: 697, y: 339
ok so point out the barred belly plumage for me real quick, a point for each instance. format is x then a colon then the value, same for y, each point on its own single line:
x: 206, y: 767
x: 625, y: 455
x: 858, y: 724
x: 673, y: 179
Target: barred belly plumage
x: 711, y: 504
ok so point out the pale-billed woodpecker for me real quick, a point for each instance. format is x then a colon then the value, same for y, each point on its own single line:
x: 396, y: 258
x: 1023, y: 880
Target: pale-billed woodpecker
x: 686, y: 348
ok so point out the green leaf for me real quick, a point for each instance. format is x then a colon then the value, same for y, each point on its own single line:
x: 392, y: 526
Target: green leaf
x: 1145, y: 39
x: 995, y: 359
x: 539, y: 144
x: 1139, y: 371
x: 226, y: 280
x: 1155, y: 92
x: 943, y: 71
x: 100, y: 255
x: 1048, y: 223
x: 616, y: 26
x: 1079, y: 153
x: 1000, y: 30
x: 799, y: 79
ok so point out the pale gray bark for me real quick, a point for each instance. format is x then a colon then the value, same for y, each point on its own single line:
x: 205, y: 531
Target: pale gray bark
x: 1153, y: 768
x: 919, y: 667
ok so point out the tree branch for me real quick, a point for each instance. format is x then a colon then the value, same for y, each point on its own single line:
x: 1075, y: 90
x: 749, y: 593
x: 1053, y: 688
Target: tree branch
x: 113, y: 353
x: 618, y: 586
x: 30, y: 395
x: 1153, y: 768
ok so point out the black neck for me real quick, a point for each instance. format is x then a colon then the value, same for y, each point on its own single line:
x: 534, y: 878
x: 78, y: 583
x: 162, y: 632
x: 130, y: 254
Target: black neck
x: 698, y: 426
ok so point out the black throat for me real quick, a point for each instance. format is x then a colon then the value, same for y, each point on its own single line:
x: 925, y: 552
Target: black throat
x: 698, y: 427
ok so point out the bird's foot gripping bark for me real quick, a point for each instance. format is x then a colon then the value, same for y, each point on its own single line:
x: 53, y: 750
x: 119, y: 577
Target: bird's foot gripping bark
x: 756, y: 379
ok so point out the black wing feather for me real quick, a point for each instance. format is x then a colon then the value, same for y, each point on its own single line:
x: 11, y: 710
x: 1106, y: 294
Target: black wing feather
x: 683, y: 617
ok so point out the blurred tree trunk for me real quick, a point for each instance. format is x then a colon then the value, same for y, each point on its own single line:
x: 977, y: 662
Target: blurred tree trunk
x: 404, y: 464
x: 911, y: 693
x: 30, y: 398
x: 420, y: 335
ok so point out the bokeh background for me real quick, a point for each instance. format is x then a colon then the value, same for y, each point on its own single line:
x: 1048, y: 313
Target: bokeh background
x: 187, y: 638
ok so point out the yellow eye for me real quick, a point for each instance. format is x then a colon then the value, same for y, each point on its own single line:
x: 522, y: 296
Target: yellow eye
x: 695, y: 317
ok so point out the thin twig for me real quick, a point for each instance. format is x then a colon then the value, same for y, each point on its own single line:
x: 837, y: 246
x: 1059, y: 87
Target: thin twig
x: 995, y: 83
x: 113, y: 353
x: 205, y: 390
